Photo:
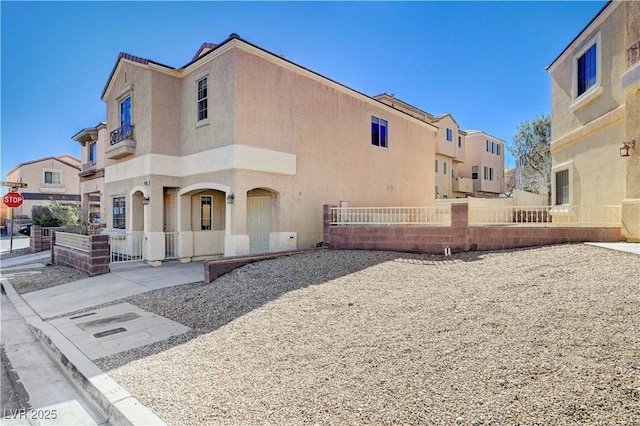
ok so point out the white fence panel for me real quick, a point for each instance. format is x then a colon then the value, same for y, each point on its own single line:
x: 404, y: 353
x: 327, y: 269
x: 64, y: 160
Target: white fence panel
x: 73, y: 241
x: 170, y: 245
x: 435, y: 216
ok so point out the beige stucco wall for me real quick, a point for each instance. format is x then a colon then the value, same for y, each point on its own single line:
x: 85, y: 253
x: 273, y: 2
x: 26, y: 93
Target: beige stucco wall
x: 279, y: 114
x: 33, y: 175
x: 477, y: 155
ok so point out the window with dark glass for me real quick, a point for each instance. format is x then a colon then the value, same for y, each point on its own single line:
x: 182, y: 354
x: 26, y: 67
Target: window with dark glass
x: 449, y: 134
x: 125, y: 112
x: 379, y: 131
x: 206, y: 204
x: 93, y: 152
x: 474, y: 172
x: 587, y: 68
x: 202, y: 99
x: 459, y: 141
x: 562, y: 187
x: 118, y: 213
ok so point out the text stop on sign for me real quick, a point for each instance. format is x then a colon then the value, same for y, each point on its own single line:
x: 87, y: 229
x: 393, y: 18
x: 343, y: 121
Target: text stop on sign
x: 13, y: 199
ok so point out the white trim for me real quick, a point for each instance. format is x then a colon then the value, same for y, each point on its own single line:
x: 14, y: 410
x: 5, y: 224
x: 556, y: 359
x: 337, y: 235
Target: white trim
x: 559, y: 168
x: 239, y: 157
x: 595, y: 90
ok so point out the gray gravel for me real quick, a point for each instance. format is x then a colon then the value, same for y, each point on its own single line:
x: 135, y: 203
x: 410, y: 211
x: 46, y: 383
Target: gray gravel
x: 541, y: 336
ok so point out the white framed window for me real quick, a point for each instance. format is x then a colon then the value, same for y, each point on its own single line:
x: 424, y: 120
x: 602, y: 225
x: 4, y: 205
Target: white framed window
x: 449, y: 134
x: 379, y: 132
x: 206, y: 210
x: 118, y: 215
x: 474, y: 172
x: 203, y: 99
x: 561, y: 176
x: 586, y: 72
x: 52, y: 177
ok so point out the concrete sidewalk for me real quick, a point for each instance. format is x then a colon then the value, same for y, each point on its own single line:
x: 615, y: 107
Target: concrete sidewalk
x: 75, y: 350
x: 94, y: 291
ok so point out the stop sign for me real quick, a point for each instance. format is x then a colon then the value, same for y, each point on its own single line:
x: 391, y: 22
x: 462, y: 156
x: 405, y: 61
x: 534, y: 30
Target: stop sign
x: 13, y: 199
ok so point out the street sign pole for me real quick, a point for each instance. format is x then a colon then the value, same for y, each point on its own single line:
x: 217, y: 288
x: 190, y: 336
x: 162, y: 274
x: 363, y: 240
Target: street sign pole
x: 11, y: 236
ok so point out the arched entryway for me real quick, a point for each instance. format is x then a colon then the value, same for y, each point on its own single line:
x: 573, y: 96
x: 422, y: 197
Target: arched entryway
x: 202, y: 221
x: 261, y: 218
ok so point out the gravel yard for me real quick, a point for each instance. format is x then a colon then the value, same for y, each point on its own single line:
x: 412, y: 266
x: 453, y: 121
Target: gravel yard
x: 548, y: 335
x: 41, y: 278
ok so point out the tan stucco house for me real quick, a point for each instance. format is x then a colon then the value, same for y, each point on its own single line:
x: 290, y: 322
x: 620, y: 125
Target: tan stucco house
x: 466, y: 162
x: 595, y: 88
x: 237, y: 151
x: 47, y: 179
x: 93, y: 141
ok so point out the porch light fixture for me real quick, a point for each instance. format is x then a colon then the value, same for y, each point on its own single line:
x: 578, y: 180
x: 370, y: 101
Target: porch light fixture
x: 626, y: 146
x: 145, y: 201
x: 230, y: 198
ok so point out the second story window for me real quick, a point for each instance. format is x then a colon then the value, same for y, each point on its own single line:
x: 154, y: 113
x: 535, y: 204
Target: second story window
x: 444, y: 167
x: 202, y: 99
x: 93, y: 151
x: 53, y: 177
x: 379, y: 129
x: 586, y: 69
x: 125, y: 112
x: 449, y: 134
x: 459, y: 141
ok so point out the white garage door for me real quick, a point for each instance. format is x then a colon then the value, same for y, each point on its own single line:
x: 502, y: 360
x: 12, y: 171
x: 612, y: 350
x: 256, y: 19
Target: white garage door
x: 258, y: 223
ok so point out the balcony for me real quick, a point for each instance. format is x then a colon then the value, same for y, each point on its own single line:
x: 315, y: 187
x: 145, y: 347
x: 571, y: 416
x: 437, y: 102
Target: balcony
x: 87, y: 169
x: 462, y: 184
x: 122, y: 143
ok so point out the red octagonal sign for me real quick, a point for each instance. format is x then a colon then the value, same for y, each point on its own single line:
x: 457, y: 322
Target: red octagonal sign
x: 13, y: 199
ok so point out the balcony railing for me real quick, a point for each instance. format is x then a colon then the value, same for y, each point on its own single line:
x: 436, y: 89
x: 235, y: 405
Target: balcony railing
x: 123, y: 133
x: 633, y: 54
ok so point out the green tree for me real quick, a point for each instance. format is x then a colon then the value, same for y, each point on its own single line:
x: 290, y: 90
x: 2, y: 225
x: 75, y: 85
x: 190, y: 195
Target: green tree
x: 531, y: 148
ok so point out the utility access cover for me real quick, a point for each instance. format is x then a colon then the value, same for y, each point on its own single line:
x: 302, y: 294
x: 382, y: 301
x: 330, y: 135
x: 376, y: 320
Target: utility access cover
x: 115, y: 329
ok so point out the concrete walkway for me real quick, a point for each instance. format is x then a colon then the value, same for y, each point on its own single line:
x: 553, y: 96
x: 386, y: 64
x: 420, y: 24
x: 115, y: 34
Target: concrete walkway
x: 633, y: 248
x: 94, y: 291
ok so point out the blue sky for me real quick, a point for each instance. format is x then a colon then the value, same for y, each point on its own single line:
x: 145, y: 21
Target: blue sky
x: 481, y: 61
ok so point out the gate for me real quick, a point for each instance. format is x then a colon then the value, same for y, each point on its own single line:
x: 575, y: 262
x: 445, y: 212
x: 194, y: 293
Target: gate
x: 170, y: 245
x: 126, y: 247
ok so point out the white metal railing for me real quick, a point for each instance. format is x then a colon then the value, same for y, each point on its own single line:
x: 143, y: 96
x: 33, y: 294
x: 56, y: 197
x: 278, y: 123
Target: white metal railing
x: 73, y: 241
x: 95, y: 228
x: 435, y: 216
x: 546, y: 215
x: 170, y: 245
x: 126, y: 247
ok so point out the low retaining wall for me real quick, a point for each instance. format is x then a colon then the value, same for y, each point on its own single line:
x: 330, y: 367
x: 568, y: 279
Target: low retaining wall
x: 218, y: 267
x: 459, y: 236
x: 38, y: 242
x: 94, y: 262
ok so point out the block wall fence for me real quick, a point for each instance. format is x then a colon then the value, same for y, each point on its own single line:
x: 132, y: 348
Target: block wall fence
x: 459, y: 236
x: 94, y: 262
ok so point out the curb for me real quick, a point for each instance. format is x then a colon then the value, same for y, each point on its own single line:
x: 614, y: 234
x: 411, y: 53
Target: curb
x: 118, y: 404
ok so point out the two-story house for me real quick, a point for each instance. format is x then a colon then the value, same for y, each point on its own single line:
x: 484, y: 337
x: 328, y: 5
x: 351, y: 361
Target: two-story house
x: 47, y: 179
x: 237, y: 151
x: 466, y: 162
x: 93, y: 142
x: 484, y: 163
x: 595, y: 116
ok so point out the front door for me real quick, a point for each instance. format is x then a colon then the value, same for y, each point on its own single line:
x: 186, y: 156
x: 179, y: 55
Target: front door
x: 259, y: 223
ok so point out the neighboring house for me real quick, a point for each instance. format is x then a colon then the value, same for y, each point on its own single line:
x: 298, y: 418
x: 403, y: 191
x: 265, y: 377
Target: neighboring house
x: 484, y: 163
x: 595, y: 89
x: 47, y: 179
x: 94, y: 142
x: 237, y: 151
x: 466, y: 162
